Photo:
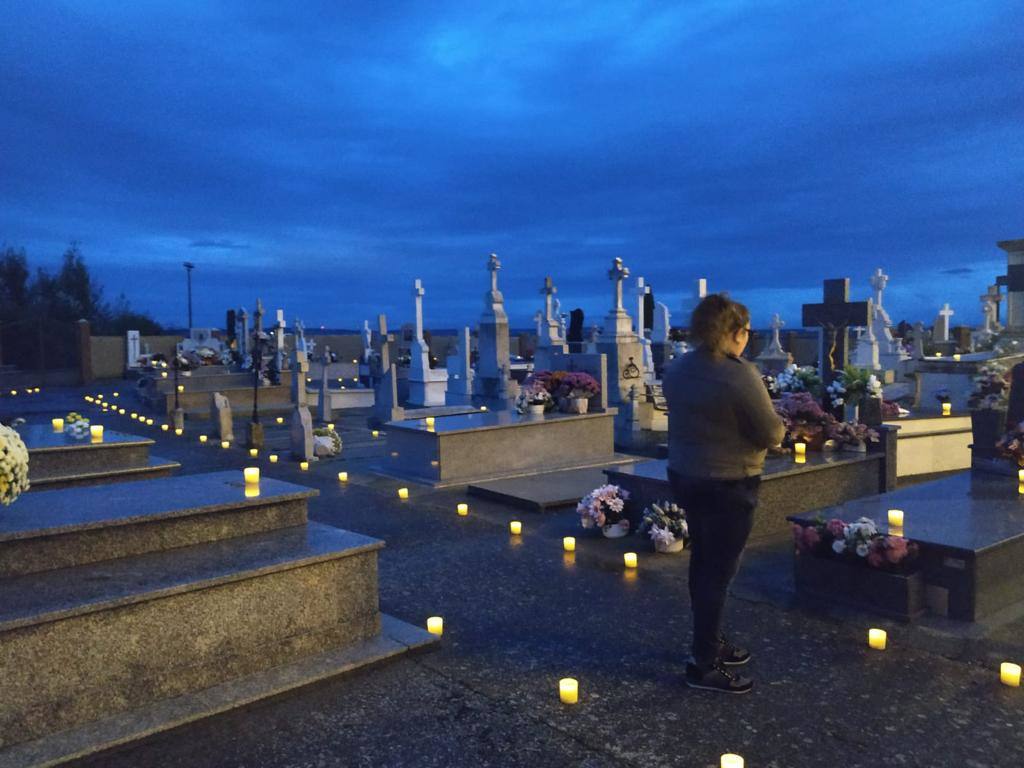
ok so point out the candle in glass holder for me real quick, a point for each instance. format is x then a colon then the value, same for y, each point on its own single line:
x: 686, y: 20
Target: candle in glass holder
x: 403, y: 493
x: 181, y: 387
x: 96, y: 430
x: 1009, y: 674
x: 799, y: 449
x: 799, y: 459
x: 121, y: 411
x: 117, y: 394
x: 730, y: 760
x: 135, y: 415
x: 343, y: 477
x: 225, y: 444
x: 58, y: 425
x: 483, y: 407
x: 374, y: 433
x: 629, y: 558
x: 938, y: 354
x: 251, y: 474
x: 462, y: 509
x: 515, y: 527
x: 877, y: 639
x: 304, y: 466
x: 252, y: 491
x: 163, y: 374
x: 254, y: 452
x: 179, y: 431
x: 947, y: 409
x: 569, y: 543
x: 331, y: 427
x: 165, y: 427
x: 435, y: 625
x: 280, y: 419
x: 1020, y: 475
x: 430, y: 421
x: 956, y: 357
x: 149, y: 422
x: 568, y: 690
x: 202, y: 438
x: 273, y: 458
x: 895, y: 518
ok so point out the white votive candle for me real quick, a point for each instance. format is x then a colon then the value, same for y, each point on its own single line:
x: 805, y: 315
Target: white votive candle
x: 462, y: 509
x: 96, y: 431
x: 165, y: 427
x: 435, y: 625
x: 374, y: 433
x: 343, y: 477
x: 225, y: 444
x: 202, y: 438
x: 729, y: 760
x: 254, y: 452
x: 280, y: 419
x: 895, y: 518
x: 251, y: 474
x: 117, y: 394
x: 568, y: 690
x: 515, y: 527
x: 429, y: 420
x: 800, y: 449
x: 569, y: 543
x: 163, y: 374
x: 629, y: 558
x: 330, y: 427
x: 947, y: 409
x: 273, y: 458
x: 1009, y: 674
x: 877, y: 639
x: 179, y: 431
x: 149, y: 422
x: 58, y: 425
x: 304, y: 466
x: 181, y: 387
x: 956, y: 357
x: 403, y: 493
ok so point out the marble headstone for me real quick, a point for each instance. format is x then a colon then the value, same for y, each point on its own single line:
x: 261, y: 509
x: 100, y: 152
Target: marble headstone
x: 220, y: 415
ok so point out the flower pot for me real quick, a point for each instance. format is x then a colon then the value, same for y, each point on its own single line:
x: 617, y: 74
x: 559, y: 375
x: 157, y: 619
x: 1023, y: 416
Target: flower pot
x: 536, y: 409
x: 987, y: 426
x: 851, y: 413
x: 666, y: 549
x: 859, y: 447
x: 616, y: 530
x: 812, y: 436
x: 579, y: 404
x: 836, y: 580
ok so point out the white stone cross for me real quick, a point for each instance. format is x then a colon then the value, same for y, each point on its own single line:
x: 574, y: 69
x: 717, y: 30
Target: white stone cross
x: 418, y: 293
x: 549, y: 290
x: 493, y: 265
x: 641, y: 290
x: 943, y: 325
x: 618, y: 273
x: 878, y: 281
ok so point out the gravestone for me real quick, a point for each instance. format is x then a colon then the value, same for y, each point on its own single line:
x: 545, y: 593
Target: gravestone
x: 1015, y: 408
x: 834, y: 316
x: 549, y: 331
x: 460, y: 372
x: 773, y: 357
x: 426, y: 385
x: 301, y: 434
x: 1014, y: 281
x: 917, y: 336
x: 386, y: 406
x: 133, y: 349
x: 324, y: 409
x: 492, y: 384
x: 700, y: 291
x: 279, y: 328
x: 367, y: 342
x: 575, y: 334
x: 641, y: 292
x: 661, y: 344
x: 300, y: 367
x: 617, y: 341
x: 940, y: 331
x: 220, y: 416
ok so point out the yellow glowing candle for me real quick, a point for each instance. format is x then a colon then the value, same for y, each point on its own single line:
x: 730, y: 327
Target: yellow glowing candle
x: 462, y: 509
x: 947, y: 409
x: 483, y: 407
x: 58, y: 425
x: 117, y: 394
x: 181, y: 387
x: 956, y: 357
x: 252, y: 491
x: 515, y: 527
x: 568, y: 690
x: 96, y: 430
x: 629, y: 558
x: 877, y: 639
x: 403, y: 493
x: 251, y: 474
x: 729, y: 760
x: 1020, y: 475
x: 163, y: 374
x: 799, y: 459
x: 179, y: 431
x: 1009, y: 674
x: 225, y: 444
x: 280, y: 419
x: 254, y: 452
x: 569, y: 543
x: 165, y: 427
x: 1020, y: 488
x: 430, y: 421
x: 343, y: 477
x: 202, y: 438
x: 938, y: 354
x: 331, y: 427
x: 149, y: 422
x: 375, y: 433
x: 304, y: 466
x: 135, y: 415
x: 435, y: 625
x: 800, y: 449
x: 121, y: 411
x: 273, y: 458
x: 895, y: 518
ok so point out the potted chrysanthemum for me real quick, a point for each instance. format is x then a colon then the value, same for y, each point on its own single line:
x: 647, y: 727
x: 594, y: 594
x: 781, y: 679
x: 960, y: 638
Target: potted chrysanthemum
x: 13, y: 465
x: 666, y: 524
x: 603, y: 508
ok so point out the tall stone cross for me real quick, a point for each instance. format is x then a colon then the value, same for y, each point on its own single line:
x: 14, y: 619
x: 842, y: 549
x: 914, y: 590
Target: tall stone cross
x: 878, y: 282
x: 640, y: 292
x: 834, y: 315
x: 493, y: 265
x: 776, y: 343
x: 549, y: 290
x: 944, y: 314
x: 417, y: 293
x: 618, y: 273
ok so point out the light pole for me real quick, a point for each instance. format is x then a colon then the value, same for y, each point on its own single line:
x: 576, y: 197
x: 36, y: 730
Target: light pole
x: 189, y: 266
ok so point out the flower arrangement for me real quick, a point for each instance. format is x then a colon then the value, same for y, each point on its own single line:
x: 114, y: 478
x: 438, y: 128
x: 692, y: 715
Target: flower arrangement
x: 13, y: 465
x: 796, y: 378
x: 603, y: 506
x: 893, y: 410
x: 802, y: 416
x: 853, y: 385
x: 533, y: 392
x: 326, y: 442
x: 76, y: 426
x: 859, y: 541
x: 851, y: 433
x: 1011, y: 445
x: 666, y: 524
x: 578, y: 384
x: 771, y: 384
x: 991, y: 386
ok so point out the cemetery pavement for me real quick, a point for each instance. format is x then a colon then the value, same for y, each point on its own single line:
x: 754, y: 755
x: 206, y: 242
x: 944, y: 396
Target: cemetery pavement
x: 519, y: 615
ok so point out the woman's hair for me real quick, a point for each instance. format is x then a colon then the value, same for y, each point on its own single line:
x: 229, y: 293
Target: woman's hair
x: 716, y: 318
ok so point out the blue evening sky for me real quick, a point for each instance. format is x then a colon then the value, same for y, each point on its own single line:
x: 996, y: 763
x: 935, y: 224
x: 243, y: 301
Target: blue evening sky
x: 323, y: 156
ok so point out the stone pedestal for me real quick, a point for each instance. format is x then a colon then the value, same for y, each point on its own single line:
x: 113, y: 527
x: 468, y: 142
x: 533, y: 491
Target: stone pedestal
x: 254, y: 435
x: 301, y: 435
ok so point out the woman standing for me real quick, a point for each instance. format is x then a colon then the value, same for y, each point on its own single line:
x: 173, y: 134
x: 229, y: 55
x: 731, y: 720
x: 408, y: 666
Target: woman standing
x: 720, y: 425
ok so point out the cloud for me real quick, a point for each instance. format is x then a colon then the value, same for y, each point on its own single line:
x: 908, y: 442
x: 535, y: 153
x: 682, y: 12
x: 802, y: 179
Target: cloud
x: 225, y: 245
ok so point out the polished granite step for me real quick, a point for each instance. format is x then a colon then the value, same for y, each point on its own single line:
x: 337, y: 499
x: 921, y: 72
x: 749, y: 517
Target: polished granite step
x: 88, y: 642
x: 63, y: 528
x: 57, y: 460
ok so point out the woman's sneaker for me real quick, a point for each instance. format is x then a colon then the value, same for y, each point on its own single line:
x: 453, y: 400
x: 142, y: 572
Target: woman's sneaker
x: 717, y: 678
x: 731, y: 655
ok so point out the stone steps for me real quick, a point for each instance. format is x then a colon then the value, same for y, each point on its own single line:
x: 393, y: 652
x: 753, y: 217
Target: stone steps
x: 91, y: 641
x: 59, y: 529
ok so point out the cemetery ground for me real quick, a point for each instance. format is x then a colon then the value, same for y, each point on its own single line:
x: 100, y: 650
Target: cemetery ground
x: 520, y: 614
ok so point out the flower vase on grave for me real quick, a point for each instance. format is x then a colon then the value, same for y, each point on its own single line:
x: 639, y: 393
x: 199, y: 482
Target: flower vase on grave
x: 579, y: 404
x: 851, y: 412
x: 668, y: 549
x: 859, y: 447
x: 615, y: 530
x: 536, y: 409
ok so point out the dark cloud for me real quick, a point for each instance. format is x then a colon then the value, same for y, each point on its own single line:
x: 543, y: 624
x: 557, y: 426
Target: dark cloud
x: 353, y: 147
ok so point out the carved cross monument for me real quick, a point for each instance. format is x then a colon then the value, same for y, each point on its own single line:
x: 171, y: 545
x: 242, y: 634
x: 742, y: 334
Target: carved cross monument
x: 941, y: 332
x: 617, y: 274
x: 834, y: 315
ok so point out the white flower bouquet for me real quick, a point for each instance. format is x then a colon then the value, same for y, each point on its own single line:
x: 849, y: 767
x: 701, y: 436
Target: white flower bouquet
x: 13, y: 465
x: 603, y: 506
x: 666, y: 524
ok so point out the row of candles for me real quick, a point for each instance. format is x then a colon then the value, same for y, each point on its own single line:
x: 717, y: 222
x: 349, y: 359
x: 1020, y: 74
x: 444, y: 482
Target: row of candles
x: 1009, y: 673
x: 29, y: 391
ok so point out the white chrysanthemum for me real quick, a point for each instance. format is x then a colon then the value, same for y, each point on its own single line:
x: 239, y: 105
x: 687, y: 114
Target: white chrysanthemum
x: 13, y: 465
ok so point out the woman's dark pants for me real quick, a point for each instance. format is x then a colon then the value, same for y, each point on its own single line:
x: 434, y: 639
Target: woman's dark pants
x: 720, y: 514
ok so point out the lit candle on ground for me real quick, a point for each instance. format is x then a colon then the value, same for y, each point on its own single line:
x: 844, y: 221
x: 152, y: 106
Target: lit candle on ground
x: 165, y: 427
x: 1020, y: 475
x: 1009, y: 674
x: 181, y: 387
x: 430, y: 421
x: 254, y: 452
x: 730, y: 760
x: 403, y: 493
x: 280, y: 419
x: 569, y: 543
x: 202, y: 438
x: 629, y: 558
x: 96, y: 430
x: 877, y: 639
x: 330, y: 427
x: 117, y: 394
x: 273, y: 458
x: 483, y: 407
x: 374, y: 433
x: 225, y: 444
x: 435, y: 625
x: 938, y: 354
x: 947, y: 409
x: 798, y: 459
x: 462, y: 509
x: 568, y: 690
x: 163, y: 374
x: 251, y: 474
x: 135, y: 415
x: 956, y: 357
x: 343, y: 477
x: 895, y: 518
x: 58, y: 425
x: 515, y: 527
x: 121, y: 411
x: 800, y: 449
x: 304, y: 466
x: 179, y: 431
x: 149, y: 422
x: 1020, y: 488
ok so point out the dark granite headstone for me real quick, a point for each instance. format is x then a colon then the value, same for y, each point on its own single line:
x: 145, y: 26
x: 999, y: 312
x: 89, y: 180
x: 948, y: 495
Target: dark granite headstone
x: 575, y: 333
x: 649, y: 310
x: 1015, y: 411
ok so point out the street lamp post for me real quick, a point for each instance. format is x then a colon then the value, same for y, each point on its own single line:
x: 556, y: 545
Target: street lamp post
x: 189, y: 266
